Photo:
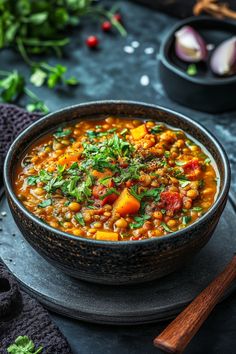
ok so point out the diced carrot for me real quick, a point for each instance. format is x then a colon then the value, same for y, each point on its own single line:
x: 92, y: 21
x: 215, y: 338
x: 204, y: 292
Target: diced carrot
x: 68, y: 160
x: 139, y: 132
x: 106, y: 235
x: 126, y: 203
x: 104, y: 174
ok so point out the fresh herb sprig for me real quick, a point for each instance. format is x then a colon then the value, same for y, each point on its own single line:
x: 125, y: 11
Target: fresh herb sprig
x: 23, y: 345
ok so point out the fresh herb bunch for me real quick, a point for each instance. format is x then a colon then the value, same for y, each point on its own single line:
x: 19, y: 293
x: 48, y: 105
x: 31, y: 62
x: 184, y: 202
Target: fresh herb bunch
x: 35, y: 27
x: 38, y: 26
x: 23, y: 345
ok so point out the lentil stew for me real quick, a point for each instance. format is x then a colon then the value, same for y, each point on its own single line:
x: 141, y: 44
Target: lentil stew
x: 116, y: 179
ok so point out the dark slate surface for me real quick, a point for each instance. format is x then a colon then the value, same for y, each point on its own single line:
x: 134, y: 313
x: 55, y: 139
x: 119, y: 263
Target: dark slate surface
x: 112, y: 73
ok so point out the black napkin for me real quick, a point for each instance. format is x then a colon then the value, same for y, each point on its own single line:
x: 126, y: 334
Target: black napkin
x: 21, y: 315
x: 12, y: 121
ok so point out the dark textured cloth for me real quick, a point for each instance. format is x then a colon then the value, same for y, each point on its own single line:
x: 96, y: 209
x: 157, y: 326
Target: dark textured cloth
x: 21, y: 315
x: 12, y: 121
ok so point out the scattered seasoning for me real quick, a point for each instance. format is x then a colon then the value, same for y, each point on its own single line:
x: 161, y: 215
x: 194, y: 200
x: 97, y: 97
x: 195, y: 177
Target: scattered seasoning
x: 149, y: 50
x: 4, y: 213
x: 135, y: 44
x: 144, y: 80
x: 128, y: 49
x: 191, y: 70
x: 92, y: 41
x: 106, y: 26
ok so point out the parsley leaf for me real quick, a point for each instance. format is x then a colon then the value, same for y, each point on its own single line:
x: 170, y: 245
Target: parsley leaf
x: 139, y: 221
x: 109, y: 192
x: 157, y: 129
x: 23, y: 345
x: 186, y: 219
x: 79, y: 217
x: 165, y: 227
x: 60, y: 133
x: 45, y: 203
x: 32, y: 180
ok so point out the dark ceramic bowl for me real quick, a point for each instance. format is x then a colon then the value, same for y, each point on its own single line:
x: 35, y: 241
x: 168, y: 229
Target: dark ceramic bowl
x: 204, y: 91
x: 116, y: 262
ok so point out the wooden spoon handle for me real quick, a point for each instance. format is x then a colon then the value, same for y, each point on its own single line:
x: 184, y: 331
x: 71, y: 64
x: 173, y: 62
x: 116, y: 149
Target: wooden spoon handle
x: 180, y: 331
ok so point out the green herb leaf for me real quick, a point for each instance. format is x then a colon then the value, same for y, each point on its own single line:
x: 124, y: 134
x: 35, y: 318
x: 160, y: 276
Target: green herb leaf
x: 165, y: 227
x: 12, y: 86
x: 60, y: 133
x: 23, y: 345
x: 45, y: 203
x: 109, y: 192
x: 186, y: 219
x: 192, y: 70
x: 197, y: 208
x: 183, y: 183
x: 207, y: 161
x: 157, y: 129
x: 32, y: 180
x: 139, y: 221
x: 79, y: 217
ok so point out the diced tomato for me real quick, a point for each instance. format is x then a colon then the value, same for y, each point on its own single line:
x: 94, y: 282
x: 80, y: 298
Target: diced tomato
x: 192, y: 169
x: 109, y: 199
x: 129, y: 183
x: 171, y: 201
x: 99, y: 191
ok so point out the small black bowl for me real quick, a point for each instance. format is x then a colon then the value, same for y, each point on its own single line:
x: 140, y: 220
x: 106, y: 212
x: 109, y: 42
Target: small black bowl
x: 116, y: 262
x: 204, y: 91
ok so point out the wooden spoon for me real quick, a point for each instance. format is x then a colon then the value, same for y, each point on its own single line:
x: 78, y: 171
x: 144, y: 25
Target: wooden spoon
x: 181, y: 330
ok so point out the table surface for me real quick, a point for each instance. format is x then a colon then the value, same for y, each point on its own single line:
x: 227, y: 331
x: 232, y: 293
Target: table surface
x: 112, y: 73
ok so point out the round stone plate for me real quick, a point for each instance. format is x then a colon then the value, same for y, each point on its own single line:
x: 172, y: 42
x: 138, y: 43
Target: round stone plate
x: 142, y: 303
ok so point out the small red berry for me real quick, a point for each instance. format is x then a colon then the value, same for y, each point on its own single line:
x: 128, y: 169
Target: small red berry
x: 117, y: 17
x: 92, y: 41
x: 106, y: 26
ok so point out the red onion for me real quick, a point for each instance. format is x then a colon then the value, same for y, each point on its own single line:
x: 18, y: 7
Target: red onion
x: 189, y: 45
x: 223, y: 59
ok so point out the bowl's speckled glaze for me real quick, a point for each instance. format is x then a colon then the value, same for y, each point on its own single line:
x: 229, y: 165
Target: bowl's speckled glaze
x: 116, y: 262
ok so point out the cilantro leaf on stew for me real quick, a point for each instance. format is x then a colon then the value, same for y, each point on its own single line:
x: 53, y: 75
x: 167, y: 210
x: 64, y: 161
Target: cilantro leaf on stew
x: 166, y: 227
x: 79, y: 218
x: 45, y: 203
x: 60, y: 133
x: 139, y: 221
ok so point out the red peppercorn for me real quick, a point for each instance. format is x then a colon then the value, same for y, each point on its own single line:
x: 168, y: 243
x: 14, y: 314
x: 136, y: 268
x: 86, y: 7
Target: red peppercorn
x: 106, y: 26
x: 117, y: 17
x: 92, y: 41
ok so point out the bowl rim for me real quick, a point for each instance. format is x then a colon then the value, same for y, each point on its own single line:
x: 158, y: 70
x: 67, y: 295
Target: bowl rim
x: 67, y: 110
x: 169, y: 38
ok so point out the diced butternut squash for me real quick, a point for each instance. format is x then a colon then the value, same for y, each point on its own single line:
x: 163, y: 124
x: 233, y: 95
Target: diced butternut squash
x: 68, y: 160
x: 104, y: 174
x: 139, y: 132
x: 126, y: 203
x: 106, y: 235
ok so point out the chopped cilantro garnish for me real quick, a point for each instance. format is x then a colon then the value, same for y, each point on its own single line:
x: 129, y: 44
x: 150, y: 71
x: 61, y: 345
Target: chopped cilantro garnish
x: 32, y: 180
x: 186, y: 219
x: 79, y: 218
x: 197, y: 208
x: 157, y: 129
x: 60, y: 133
x: 165, y: 227
x: 207, y: 161
x: 139, y: 221
x: 109, y: 192
x: 45, y: 203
